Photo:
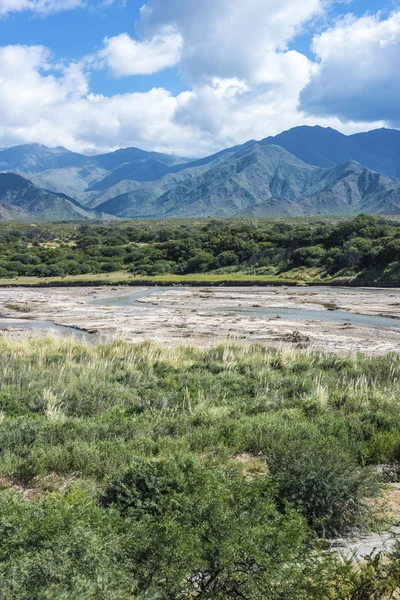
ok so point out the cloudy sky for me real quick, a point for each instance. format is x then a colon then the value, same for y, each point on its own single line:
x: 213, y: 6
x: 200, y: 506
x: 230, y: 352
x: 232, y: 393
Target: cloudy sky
x: 193, y: 76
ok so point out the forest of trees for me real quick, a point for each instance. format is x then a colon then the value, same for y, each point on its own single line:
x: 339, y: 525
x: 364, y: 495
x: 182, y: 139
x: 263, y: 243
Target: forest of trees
x: 364, y: 248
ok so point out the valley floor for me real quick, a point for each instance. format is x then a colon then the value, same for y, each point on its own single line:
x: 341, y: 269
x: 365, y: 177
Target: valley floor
x: 338, y: 320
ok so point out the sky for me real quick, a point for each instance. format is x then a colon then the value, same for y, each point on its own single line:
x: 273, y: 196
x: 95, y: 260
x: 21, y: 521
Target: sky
x: 191, y: 77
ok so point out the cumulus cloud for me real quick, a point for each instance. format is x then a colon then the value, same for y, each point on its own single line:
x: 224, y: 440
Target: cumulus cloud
x: 243, y: 80
x: 126, y: 56
x: 356, y: 76
x: 228, y: 38
x: 234, y: 110
x: 43, y: 101
x: 42, y: 7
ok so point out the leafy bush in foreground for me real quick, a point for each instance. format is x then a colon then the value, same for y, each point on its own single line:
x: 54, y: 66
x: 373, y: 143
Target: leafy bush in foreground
x: 322, y: 479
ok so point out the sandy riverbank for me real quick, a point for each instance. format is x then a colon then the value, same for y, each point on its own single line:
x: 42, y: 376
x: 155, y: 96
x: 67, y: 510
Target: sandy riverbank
x: 203, y: 317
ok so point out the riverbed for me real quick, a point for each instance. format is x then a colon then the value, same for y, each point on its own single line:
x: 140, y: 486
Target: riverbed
x: 338, y: 320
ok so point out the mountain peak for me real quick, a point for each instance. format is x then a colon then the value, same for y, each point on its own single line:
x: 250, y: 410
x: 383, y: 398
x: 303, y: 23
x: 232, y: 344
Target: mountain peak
x: 378, y: 149
x: 317, y: 170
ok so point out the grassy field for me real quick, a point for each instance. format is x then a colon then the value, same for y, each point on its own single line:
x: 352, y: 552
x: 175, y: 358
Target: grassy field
x: 89, y: 279
x: 150, y: 473
x: 121, y: 278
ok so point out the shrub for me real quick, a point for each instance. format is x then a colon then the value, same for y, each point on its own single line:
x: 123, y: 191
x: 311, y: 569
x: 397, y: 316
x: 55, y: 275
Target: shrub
x: 320, y: 478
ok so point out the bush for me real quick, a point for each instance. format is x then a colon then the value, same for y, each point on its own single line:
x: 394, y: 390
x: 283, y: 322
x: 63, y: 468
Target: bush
x: 227, y: 259
x: 201, y: 262
x: 204, y: 533
x: 176, y: 473
x: 320, y: 478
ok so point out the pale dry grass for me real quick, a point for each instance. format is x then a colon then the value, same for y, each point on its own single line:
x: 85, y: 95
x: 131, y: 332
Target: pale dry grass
x: 52, y: 406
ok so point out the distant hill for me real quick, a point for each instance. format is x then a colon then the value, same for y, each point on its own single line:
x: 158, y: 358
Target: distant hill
x: 20, y: 199
x: 132, y: 163
x: 305, y: 170
x: 35, y: 158
x: 378, y: 150
x: 267, y: 181
x: 87, y: 177
x: 60, y: 170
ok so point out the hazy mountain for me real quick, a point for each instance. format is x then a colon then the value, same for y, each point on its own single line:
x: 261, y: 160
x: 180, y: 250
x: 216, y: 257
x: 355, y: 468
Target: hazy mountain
x: 72, y: 181
x: 35, y: 158
x: 378, y: 150
x: 272, y: 207
x: 68, y: 172
x: 86, y: 178
x: 306, y: 170
x: 145, y: 191
x: 132, y: 163
x: 20, y: 199
x: 268, y: 181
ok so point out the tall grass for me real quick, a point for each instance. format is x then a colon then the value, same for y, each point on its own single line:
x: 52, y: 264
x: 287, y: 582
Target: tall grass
x: 121, y: 394
x: 179, y: 440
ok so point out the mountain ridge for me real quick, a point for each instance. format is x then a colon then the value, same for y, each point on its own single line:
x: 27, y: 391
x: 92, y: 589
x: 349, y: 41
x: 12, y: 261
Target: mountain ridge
x: 325, y: 147
x: 258, y: 174
x: 20, y: 199
x: 305, y: 170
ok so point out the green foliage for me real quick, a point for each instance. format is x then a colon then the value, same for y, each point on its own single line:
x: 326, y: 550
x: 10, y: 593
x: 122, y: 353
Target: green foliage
x: 364, y: 249
x: 150, y: 472
x: 378, y: 579
x: 323, y: 480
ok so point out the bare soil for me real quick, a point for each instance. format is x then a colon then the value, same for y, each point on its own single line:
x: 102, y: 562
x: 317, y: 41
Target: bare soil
x: 199, y: 317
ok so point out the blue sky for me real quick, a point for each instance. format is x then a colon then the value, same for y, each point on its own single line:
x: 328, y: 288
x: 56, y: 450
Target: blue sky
x: 190, y: 77
x: 76, y: 33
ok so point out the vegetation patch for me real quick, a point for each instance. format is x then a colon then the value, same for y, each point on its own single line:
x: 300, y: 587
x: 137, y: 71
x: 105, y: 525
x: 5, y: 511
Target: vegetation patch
x: 18, y: 308
x: 364, y: 250
x: 150, y: 472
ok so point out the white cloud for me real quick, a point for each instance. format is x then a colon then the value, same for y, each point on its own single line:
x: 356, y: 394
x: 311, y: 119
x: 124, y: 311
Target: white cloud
x: 235, y: 111
x: 27, y: 87
x: 357, y: 76
x: 41, y: 7
x: 243, y: 81
x: 42, y: 101
x: 126, y: 56
x: 228, y: 38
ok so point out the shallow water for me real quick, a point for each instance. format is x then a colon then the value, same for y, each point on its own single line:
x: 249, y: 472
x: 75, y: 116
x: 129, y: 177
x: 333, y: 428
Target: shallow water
x: 336, y: 316
x: 132, y: 299
x: 28, y: 325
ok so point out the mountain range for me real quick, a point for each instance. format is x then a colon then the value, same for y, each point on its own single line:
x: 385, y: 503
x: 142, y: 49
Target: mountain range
x: 21, y: 200
x: 303, y: 171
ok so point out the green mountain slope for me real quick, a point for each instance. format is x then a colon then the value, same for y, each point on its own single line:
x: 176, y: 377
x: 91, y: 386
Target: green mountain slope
x: 253, y: 177
x: 35, y: 158
x: 379, y: 150
x: 306, y: 170
x: 94, y: 179
x: 60, y: 170
x: 20, y: 199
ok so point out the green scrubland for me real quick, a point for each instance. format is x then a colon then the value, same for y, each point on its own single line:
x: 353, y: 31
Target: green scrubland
x: 149, y: 473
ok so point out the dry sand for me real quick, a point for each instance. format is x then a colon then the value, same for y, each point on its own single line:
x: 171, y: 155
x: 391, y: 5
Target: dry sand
x: 204, y: 317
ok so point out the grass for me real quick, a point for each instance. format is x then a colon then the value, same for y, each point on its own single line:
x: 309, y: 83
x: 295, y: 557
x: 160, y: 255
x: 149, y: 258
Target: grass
x: 122, y: 278
x: 119, y: 276
x: 133, y: 471
x: 221, y: 401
